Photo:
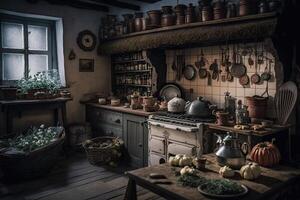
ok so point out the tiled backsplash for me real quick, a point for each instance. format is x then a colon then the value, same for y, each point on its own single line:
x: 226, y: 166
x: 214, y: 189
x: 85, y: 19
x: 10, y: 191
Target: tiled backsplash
x: 215, y: 92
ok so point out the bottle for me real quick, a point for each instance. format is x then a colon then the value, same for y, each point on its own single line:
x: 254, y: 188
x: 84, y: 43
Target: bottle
x: 239, y: 113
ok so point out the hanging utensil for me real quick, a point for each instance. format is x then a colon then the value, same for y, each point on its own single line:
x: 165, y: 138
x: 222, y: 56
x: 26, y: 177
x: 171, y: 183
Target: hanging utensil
x: 203, y: 60
x: 266, y: 92
x: 174, y: 67
x: 197, y: 63
x: 189, y: 72
x: 237, y: 70
x: 266, y: 75
x: 244, y: 80
x: 209, y: 81
x: 202, y: 73
x: 255, y: 78
x: 250, y: 60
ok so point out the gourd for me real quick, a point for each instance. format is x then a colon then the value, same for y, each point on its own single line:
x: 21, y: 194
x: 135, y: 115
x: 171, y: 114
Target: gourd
x: 180, y: 160
x: 185, y: 160
x: 187, y: 170
x: 266, y: 154
x: 250, y: 171
x: 226, y: 172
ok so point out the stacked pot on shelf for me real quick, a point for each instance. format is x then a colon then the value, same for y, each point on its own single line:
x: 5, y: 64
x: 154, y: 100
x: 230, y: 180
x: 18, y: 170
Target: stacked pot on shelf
x: 183, y: 14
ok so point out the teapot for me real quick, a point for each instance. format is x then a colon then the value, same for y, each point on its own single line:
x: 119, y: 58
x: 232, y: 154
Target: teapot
x: 231, y: 152
x: 200, y: 108
x: 176, y: 105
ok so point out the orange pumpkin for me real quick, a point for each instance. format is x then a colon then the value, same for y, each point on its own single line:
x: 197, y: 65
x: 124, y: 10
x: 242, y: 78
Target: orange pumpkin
x: 265, y: 154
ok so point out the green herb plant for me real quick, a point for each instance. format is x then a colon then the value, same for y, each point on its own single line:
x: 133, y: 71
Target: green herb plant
x: 33, y: 139
x: 45, y: 80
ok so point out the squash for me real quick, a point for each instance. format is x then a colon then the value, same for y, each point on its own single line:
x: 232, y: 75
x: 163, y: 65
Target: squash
x: 226, y: 172
x: 187, y: 170
x: 180, y: 160
x: 250, y: 171
x: 185, y: 161
x: 265, y: 154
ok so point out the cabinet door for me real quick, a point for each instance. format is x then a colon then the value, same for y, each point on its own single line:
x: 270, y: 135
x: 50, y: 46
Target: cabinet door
x: 134, y: 137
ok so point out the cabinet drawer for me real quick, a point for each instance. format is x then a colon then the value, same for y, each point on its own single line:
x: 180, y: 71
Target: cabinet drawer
x: 156, y: 159
x: 176, y: 148
x: 157, y: 145
x: 111, y: 117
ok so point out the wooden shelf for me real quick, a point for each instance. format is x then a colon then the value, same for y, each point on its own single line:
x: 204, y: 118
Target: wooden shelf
x: 251, y: 27
x: 132, y: 71
x: 127, y: 61
x: 132, y: 85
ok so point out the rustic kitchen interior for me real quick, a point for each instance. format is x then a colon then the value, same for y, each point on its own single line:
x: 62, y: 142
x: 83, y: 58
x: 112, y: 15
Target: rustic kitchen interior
x: 149, y: 99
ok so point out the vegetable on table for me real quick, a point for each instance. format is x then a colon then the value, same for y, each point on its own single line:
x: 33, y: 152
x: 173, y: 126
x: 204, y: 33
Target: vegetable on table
x: 222, y: 187
x: 226, y: 172
x: 250, y: 171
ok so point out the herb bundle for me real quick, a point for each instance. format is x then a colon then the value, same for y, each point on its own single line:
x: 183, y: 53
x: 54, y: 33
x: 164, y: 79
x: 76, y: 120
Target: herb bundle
x: 191, y: 180
x: 222, y: 187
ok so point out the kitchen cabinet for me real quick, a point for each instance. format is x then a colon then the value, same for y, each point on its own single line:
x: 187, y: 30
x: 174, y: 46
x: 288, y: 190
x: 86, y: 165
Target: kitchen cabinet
x: 135, y: 138
x: 131, y: 128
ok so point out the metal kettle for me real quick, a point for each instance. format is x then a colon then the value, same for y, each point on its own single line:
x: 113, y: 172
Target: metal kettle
x: 231, y: 152
x: 200, y: 108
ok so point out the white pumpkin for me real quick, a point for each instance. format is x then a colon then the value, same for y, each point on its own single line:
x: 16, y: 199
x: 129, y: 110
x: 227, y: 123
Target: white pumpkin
x: 185, y: 160
x: 250, y: 171
x: 226, y: 172
x: 187, y: 170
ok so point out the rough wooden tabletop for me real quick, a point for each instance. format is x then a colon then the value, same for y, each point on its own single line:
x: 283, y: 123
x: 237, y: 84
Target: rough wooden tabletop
x: 271, y: 180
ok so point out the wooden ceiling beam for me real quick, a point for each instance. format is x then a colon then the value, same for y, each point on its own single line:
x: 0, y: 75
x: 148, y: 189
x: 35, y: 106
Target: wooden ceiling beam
x: 119, y: 4
x: 148, y: 1
x: 80, y: 5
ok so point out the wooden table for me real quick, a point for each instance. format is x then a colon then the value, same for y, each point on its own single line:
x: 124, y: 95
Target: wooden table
x: 272, y: 184
x: 10, y: 107
x: 275, y: 129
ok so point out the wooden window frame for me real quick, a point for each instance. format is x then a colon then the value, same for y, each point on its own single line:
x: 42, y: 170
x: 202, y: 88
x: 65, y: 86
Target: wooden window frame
x: 26, y: 21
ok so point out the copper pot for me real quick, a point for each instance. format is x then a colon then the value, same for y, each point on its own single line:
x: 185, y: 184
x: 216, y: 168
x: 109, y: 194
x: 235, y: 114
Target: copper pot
x: 138, y: 22
x: 206, y: 13
x: 167, y: 20
x: 222, y: 118
x: 155, y: 17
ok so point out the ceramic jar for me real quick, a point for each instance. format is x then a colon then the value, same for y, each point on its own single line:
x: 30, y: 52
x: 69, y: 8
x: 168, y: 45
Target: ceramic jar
x: 148, y: 101
x: 206, y: 13
x: 245, y: 7
x: 180, y: 13
x: 167, y: 18
x: 154, y: 17
x: 128, y: 23
x: 138, y: 22
x: 231, y: 10
x: 222, y: 118
x: 190, y: 15
x: 219, y: 10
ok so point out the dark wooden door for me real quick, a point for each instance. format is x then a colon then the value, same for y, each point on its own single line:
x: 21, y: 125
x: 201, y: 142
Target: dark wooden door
x: 135, y: 134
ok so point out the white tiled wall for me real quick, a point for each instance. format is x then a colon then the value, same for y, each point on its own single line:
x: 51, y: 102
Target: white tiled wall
x: 215, y: 92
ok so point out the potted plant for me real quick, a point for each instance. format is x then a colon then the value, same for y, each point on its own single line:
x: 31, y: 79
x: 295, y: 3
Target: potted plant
x: 45, y: 84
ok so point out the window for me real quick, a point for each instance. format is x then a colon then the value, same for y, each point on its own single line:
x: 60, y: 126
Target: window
x: 27, y: 46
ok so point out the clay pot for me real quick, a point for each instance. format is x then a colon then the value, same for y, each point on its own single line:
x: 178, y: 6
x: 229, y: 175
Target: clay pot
x: 222, y: 118
x: 206, y: 13
x: 145, y: 22
x: 190, y: 16
x: 148, y: 101
x: 167, y: 20
x: 138, y: 22
x: 257, y: 106
x: 180, y: 9
x: 246, y: 7
x: 154, y: 17
x: 128, y: 23
x: 167, y: 10
x: 219, y: 10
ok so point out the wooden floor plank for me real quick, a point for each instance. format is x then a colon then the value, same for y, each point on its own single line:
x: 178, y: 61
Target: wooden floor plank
x: 92, y: 178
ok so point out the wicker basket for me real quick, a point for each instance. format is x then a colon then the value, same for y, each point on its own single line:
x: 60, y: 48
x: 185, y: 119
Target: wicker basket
x: 98, y: 155
x: 33, y: 164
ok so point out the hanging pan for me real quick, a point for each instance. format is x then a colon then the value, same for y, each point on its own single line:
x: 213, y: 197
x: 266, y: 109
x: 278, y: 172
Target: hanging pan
x: 189, y: 72
x: 238, y: 69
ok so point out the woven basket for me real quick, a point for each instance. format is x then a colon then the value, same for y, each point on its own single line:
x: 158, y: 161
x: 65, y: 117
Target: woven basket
x: 32, y: 164
x: 103, y: 155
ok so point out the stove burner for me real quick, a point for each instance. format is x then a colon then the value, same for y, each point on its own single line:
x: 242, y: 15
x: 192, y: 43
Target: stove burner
x: 180, y: 119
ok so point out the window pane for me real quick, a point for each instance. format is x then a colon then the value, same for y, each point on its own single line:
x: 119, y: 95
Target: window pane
x: 37, y: 38
x: 13, y: 66
x: 12, y: 35
x: 37, y: 63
